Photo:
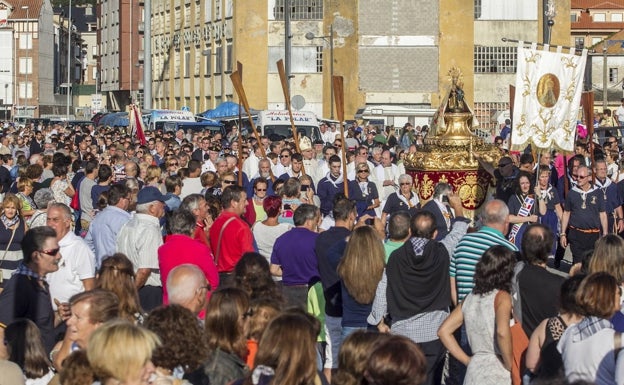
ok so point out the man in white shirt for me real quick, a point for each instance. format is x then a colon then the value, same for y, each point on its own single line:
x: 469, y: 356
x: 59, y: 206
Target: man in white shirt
x: 139, y: 240
x: 619, y: 116
x: 192, y: 183
x: 76, y: 271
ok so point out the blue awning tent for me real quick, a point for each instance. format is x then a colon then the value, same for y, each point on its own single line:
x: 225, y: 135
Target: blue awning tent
x: 225, y: 110
x: 114, y: 119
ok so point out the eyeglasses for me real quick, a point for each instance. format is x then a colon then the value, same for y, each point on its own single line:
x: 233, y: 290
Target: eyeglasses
x: 229, y: 181
x: 362, y: 171
x: 405, y: 184
x: 261, y: 189
x: 582, y: 176
x: 51, y: 252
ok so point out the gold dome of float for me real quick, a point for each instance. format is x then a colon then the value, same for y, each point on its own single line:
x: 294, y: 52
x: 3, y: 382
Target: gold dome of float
x: 451, y: 143
x: 451, y: 150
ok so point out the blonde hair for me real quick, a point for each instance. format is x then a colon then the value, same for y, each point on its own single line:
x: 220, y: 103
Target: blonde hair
x: 153, y: 174
x: 14, y: 200
x: 362, y: 265
x: 119, y: 350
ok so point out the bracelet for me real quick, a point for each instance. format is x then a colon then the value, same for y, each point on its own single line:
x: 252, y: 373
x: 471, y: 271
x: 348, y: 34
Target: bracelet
x: 562, y: 235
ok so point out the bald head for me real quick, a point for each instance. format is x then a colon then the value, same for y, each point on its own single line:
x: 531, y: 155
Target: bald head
x: 495, y: 214
x: 184, y: 287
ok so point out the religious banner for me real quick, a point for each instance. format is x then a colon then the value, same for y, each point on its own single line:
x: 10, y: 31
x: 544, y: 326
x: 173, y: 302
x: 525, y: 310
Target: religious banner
x: 136, y: 126
x: 547, y: 98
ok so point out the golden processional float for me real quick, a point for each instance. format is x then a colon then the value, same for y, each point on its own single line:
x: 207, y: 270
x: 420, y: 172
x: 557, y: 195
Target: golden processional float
x: 451, y: 150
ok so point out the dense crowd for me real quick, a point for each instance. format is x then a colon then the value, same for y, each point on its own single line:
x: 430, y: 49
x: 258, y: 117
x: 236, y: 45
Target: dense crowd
x: 214, y: 258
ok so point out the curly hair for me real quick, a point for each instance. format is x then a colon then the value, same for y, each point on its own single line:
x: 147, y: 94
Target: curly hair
x: 253, y: 276
x: 76, y: 369
x: 516, y: 185
x: 494, y: 270
x: 182, y: 337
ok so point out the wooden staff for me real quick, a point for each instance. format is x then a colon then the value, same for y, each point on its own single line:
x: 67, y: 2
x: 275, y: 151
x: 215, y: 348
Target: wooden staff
x: 337, y: 83
x: 587, y: 101
x: 239, y: 69
x: 238, y: 86
x: 282, y: 75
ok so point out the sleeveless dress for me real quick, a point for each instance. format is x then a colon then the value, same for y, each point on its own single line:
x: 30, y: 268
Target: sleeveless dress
x: 485, y: 367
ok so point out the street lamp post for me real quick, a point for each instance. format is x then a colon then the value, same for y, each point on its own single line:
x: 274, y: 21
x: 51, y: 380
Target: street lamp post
x: 330, y: 39
x: 26, y: 61
x: 69, y: 31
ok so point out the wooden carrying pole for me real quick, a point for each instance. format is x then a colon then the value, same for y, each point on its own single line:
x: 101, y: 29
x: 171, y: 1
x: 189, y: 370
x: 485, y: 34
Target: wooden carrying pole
x: 282, y: 75
x: 239, y: 69
x: 238, y: 86
x: 337, y: 83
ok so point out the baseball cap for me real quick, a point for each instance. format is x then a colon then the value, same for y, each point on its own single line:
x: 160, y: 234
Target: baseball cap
x: 149, y: 194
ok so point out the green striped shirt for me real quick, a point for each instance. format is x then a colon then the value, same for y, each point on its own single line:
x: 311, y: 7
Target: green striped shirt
x: 468, y: 252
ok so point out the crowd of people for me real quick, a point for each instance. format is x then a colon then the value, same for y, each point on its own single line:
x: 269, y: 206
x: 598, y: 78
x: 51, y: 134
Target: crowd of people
x: 202, y: 258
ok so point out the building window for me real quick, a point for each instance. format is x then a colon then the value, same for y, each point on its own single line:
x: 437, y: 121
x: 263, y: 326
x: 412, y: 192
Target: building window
x: 218, y: 60
x: 477, y: 9
x: 616, y: 17
x: 613, y: 75
x: 229, y: 8
x: 319, y: 59
x: 25, y: 40
x: 25, y: 65
x: 197, y: 65
x: 25, y: 90
x: 187, y: 63
x: 599, y: 17
x: 94, y: 73
x: 579, y: 42
x: 573, y: 17
x: 495, y: 59
x: 512, y: 10
x: 228, y: 59
x: 299, y: 9
x: 488, y: 115
x: 303, y: 59
x: 208, y: 56
x: 217, y: 14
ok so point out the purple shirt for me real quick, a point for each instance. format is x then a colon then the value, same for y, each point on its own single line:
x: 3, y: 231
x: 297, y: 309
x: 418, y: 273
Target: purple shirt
x: 294, y: 252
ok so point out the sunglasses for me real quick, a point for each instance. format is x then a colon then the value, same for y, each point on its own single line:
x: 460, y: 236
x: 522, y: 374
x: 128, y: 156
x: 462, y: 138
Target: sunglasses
x: 582, y: 176
x: 284, y: 156
x: 261, y: 189
x: 51, y: 251
x: 504, y: 165
x: 173, y: 164
x: 362, y: 171
x: 229, y: 181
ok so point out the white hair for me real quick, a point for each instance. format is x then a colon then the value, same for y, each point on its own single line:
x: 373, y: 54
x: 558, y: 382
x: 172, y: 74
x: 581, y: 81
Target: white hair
x: 182, y: 283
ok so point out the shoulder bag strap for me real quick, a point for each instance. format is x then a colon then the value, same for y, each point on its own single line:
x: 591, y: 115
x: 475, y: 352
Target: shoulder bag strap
x: 216, y: 256
x: 9, y: 244
x: 617, y: 344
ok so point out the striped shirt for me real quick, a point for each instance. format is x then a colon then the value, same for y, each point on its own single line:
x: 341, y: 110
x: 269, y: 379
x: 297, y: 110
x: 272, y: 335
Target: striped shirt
x: 468, y: 252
